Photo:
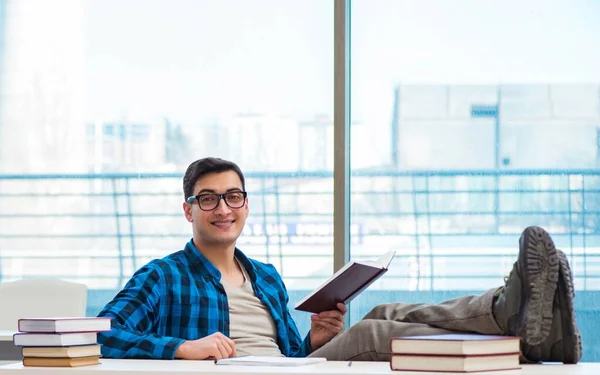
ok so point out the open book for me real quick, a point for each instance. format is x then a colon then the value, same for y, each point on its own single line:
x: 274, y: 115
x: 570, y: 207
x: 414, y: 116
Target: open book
x: 345, y: 284
x: 252, y: 360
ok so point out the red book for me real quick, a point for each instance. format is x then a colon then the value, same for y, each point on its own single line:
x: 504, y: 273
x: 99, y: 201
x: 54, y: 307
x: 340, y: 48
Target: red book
x: 345, y: 284
x: 455, y: 363
x: 455, y: 344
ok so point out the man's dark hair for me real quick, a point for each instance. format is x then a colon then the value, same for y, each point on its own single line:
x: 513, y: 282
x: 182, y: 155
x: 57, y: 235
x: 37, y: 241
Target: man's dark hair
x: 202, y: 167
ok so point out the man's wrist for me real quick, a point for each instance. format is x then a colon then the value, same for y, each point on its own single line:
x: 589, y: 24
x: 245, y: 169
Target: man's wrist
x: 311, y: 342
x: 181, y: 352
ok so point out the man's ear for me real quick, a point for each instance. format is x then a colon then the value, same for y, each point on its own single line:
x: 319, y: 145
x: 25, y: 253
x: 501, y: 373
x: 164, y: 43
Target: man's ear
x: 187, y: 211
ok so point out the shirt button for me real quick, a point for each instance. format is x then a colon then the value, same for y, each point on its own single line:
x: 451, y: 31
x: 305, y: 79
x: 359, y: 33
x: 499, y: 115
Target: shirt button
x: 207, y: 278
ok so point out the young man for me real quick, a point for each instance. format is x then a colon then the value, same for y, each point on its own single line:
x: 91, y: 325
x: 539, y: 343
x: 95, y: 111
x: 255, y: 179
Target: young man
x: 211, y: 301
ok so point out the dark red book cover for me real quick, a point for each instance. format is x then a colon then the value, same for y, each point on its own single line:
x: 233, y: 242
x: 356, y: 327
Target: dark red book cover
x: 455, y: 363
x: 345, y: 285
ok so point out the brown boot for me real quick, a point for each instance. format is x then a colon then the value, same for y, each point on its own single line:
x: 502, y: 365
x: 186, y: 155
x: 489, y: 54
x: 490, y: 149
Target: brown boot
x: 524, y: 306
x: 563, y: 344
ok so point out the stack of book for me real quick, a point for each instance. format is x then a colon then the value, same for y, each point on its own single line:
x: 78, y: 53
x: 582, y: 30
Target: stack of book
x: 60, y: 342
x: 455, y: 353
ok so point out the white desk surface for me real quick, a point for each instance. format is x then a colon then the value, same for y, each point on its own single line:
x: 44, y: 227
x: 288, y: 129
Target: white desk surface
x: 142, y: 367
x: 6, y: 335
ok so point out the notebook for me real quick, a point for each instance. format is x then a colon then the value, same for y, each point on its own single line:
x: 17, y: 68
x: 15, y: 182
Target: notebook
x: 252, y: 360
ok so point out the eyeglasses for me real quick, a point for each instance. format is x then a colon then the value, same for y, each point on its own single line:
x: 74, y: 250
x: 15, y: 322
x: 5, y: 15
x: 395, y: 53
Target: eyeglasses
x: 210, y: 201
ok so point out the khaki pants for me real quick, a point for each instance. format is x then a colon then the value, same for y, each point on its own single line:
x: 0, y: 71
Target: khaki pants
x: 369, y: 339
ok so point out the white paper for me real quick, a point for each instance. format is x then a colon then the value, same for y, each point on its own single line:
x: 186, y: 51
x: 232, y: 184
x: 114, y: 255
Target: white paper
x: 252, y: 360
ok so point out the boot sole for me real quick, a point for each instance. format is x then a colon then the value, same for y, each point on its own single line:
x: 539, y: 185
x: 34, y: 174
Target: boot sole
x: 572, y: 346
x: 539, y: 266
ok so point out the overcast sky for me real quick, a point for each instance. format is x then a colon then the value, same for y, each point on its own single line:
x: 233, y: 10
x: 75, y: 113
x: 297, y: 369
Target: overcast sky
x: 193, y: 60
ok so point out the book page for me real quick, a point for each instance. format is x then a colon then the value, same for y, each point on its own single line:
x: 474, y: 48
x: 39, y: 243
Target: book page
x: 386, y: 259
x: 381, y: 262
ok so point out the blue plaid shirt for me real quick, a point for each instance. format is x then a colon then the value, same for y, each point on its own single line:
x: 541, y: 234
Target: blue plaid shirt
x: 180, y: 298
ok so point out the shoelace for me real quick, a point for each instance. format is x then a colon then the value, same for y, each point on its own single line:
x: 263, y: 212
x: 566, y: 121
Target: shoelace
x: 500, y: 289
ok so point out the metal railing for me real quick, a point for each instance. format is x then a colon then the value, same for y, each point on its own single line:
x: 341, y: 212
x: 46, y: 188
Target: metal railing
x: 449, y: 227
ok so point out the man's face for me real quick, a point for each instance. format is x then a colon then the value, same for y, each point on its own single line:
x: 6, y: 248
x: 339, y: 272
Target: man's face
x: 222, y: 225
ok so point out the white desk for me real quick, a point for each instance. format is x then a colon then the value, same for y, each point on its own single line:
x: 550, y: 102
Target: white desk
x: 6, y: 335
x: 143, y: 367
x: 7, y: 350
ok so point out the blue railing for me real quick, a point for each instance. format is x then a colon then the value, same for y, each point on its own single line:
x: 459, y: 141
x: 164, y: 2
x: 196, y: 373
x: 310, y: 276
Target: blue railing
x: 455, y: 232
x: 99, y: 228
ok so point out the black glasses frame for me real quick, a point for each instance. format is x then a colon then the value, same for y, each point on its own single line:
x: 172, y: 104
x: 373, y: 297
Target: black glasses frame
x: 223, y: 196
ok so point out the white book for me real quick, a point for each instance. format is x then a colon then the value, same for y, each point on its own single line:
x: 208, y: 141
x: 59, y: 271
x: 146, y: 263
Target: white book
x: 252, y: 360
x: 54, y: 339
x: 64, y: 324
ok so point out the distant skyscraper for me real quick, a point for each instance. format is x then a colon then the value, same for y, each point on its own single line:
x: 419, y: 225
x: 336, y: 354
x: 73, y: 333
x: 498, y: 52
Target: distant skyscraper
x: 42, y: 106
x: 540, y: 126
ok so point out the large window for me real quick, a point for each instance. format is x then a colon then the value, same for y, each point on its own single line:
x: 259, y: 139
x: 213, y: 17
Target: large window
x: 469, y: 121
x: 475, y: 120
x: 105, y: 103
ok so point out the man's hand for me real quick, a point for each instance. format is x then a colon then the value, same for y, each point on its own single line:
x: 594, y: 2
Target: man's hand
x: 215, y: 346
x: 326, y: 325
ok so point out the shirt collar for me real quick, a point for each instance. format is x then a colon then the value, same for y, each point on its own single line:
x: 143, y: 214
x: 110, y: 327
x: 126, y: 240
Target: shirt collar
x: 208, y: 269
x: 246, y: 262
